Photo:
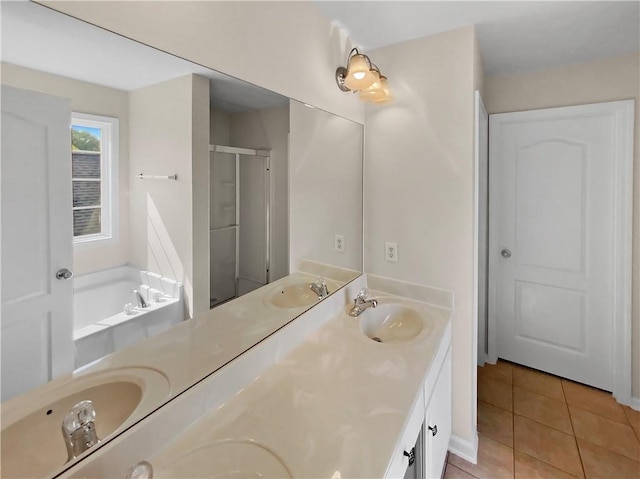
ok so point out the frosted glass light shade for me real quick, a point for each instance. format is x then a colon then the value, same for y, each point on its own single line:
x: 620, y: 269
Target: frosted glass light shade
x: 378, y: 91
x: 359, y: 74
x: 386, y: 97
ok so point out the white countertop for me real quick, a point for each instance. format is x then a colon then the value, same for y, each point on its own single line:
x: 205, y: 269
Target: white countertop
x: 334, y: 407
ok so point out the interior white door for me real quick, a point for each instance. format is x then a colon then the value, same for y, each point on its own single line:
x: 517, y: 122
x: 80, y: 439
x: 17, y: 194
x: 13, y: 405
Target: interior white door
x: 37, y: 241
x: 552, y: 241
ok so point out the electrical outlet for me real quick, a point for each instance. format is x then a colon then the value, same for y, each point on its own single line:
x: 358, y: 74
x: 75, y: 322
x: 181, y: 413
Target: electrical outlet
x: 391, y: 252
x: 339, y: 244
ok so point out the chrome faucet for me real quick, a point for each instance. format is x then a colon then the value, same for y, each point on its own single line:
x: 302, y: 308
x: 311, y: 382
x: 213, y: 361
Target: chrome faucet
x: 139, y: 299
x: 361, y: 303
x: 320, y: 288
x: 79, y: 429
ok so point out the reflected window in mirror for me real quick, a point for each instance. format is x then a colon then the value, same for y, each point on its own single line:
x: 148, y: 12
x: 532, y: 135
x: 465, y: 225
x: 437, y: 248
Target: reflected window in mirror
x: 94, y: 170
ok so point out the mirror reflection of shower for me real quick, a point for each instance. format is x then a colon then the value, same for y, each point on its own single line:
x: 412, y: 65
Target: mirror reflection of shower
x: 239, y: 221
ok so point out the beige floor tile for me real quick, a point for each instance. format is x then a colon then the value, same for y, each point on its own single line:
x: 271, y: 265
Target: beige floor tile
x: 495, y: 460
x: 547, y: 444
x: 593, y: 400
x: 527, y: 467
x: 453, y: 472
x: 542, y: 409
x: 500, y: 371
x: 606, y: 433
x: 495, y: 423
x: 602, y: 464
x: 538, y: 382
x: 496, y: 393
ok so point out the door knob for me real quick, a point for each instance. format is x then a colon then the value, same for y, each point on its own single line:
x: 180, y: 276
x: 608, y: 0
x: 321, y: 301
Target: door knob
x: 64, y: 273
x: 506, y: 253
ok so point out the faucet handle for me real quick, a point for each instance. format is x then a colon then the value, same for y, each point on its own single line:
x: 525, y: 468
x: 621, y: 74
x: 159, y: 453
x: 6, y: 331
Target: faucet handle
x: 363, y: 294
x: 80, y: 415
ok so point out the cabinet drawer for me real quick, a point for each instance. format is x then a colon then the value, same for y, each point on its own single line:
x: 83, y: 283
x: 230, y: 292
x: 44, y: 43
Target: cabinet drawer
x: 399, y: 461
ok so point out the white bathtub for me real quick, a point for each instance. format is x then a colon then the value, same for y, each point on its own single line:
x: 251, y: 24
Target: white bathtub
x: 100, y: 324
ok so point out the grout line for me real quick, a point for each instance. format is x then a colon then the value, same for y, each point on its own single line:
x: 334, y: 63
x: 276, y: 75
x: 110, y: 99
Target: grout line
x: 575, y: 439
x: 546, y: 425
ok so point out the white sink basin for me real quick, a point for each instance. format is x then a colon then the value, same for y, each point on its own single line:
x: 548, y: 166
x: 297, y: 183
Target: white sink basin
x: 32, y: 442
x: 295, y: 295
x: 392, y: 323
x: 229, y: 459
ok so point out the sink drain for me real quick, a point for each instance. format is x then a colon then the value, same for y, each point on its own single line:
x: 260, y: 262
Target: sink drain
x: 377, y: 339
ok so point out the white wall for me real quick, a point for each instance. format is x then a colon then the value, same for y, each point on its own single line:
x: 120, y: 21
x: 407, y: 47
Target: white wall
x: 98, y: 100
x: 269, y: 129
x: 606, y: 80
x: 419, y: 188
x: 325, y: 187
x: 170, y: 219
x: 287, y: 47
x: 219, y: 127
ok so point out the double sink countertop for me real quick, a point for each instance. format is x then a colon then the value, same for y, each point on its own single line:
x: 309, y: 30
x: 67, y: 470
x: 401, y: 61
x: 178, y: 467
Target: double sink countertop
x: 333, y: 407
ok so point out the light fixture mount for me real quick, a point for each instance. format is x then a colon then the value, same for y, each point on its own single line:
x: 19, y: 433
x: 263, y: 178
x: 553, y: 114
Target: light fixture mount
x: 341, y: 74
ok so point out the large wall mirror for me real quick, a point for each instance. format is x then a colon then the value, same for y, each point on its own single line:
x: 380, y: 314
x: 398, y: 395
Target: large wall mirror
x: 148, y: 205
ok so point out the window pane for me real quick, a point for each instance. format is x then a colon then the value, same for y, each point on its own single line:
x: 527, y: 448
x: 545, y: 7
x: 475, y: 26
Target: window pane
x: 85, y: 138
x: 85, y: 165
x: 86, y: 193
x: 86, y: 222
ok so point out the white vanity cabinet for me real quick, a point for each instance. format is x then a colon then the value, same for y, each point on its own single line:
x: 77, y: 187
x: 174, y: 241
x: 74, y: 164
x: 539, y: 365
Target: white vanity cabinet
x: 437, y: 428
x: 433, y: 408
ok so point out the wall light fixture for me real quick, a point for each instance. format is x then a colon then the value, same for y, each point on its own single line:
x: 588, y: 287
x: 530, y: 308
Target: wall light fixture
x: 363, y: 76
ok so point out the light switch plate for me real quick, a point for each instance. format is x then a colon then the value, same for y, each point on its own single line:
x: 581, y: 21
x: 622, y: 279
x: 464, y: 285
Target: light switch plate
x: 391, y: 252
x: 339, y: 244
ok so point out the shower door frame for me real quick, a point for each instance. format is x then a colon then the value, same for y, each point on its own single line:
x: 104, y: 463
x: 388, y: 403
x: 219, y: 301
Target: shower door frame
x: 233, y: 150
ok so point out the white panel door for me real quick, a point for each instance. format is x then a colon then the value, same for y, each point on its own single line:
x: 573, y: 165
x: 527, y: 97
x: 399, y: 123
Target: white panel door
x: 552, y: 239
x: 37, y: 241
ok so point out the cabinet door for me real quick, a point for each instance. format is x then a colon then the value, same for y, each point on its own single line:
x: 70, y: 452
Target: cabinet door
x: 438, y: 422
x: 399, y: 461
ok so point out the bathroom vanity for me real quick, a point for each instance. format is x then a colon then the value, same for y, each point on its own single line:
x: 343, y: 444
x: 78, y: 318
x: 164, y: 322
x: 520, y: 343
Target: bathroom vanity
x: 320, y: 398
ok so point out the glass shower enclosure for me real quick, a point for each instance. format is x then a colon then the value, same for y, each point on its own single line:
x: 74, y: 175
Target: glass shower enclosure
x: 239, y: 221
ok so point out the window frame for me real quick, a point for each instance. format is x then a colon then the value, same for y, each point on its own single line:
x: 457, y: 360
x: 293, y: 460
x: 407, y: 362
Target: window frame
x: 109, y: 161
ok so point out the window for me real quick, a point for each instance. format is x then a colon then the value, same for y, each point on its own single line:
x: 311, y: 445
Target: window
x: 94, y: 166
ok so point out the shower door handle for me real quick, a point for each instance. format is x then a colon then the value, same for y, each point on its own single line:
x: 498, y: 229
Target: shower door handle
x: 64, y: 273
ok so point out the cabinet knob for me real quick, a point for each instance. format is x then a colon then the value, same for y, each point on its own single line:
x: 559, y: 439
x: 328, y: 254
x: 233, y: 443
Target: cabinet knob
x: 411, y: 455
x: 433, y: 429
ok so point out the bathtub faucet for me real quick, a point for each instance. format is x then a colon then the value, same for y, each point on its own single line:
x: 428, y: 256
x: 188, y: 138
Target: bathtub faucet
x: 79, y: 429
x: 139, y: 299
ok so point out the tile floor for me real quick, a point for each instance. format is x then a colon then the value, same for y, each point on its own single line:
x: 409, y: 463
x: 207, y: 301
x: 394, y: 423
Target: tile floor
x: 535, y: 425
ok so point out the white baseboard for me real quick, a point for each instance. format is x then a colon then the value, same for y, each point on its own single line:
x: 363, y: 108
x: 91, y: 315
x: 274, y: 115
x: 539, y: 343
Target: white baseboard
x: 467, y: 450
x: 635, y: 403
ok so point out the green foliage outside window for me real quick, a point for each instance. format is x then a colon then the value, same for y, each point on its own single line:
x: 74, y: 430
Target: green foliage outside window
x: 83, y: 140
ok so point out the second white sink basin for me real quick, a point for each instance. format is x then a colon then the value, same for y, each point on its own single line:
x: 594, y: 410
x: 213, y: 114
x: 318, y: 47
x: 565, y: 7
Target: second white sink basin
x: 392, y: 323
x: 296, y: 294
x: 230, y: 459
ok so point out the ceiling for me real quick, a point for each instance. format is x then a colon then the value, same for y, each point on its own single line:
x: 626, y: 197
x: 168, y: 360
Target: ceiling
x: 42, y: 39
x: 514, y: 36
